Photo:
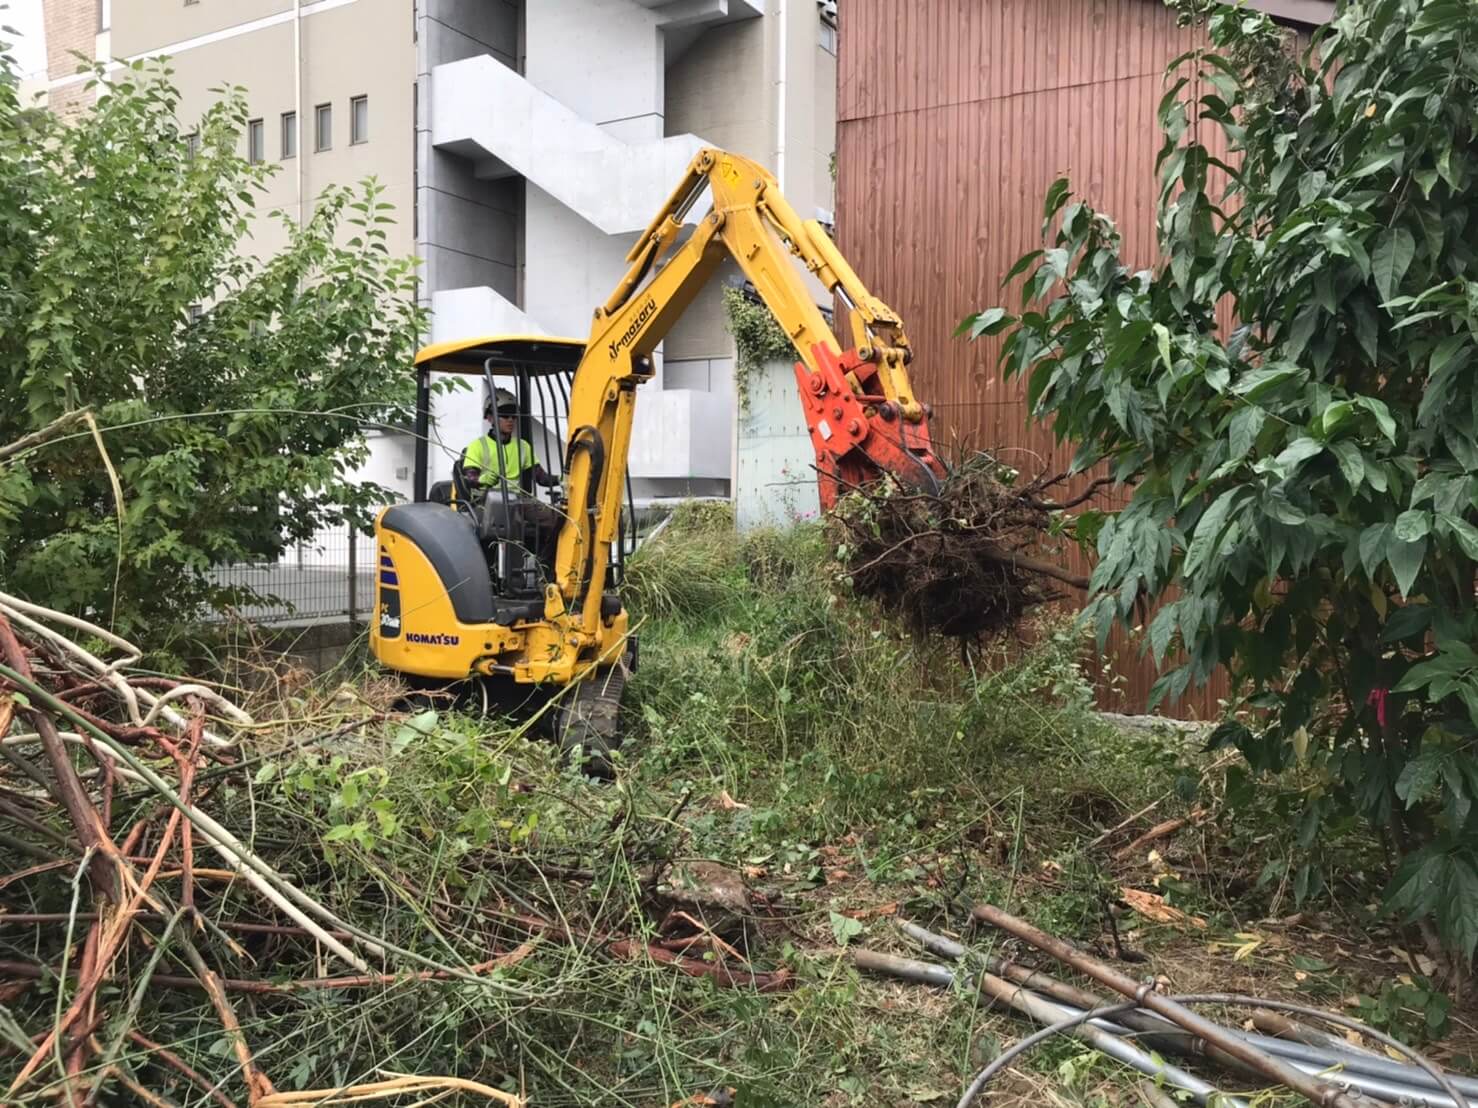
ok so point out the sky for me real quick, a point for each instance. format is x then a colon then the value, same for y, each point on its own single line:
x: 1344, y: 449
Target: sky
x: 29, y: 48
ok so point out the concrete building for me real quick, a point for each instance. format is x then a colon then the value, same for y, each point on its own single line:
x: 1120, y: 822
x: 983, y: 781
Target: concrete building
x: 524, y: 144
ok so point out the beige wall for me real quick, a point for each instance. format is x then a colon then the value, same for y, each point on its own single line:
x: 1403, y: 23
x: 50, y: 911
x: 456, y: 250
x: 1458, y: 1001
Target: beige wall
x: 824, y: 128
x: 364, y: 48
x: 810, y: 112
x: 144, y: 25
x: 717, y: 89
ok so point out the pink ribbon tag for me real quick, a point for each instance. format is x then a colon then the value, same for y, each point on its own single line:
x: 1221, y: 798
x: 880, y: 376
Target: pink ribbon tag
x: 1378, y: 698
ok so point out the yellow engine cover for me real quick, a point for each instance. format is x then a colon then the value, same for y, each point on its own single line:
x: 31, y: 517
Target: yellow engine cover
x: 415, y: 628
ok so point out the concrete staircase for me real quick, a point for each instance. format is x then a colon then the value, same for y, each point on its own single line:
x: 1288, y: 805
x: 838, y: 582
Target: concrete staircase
x: 486, y: 112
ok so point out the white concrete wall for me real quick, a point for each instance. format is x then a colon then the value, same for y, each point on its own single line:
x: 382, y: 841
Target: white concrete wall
x: 477, y: 312
x: 777, y: 484
x: 571, y: 266
x: 680, y: 433
x: 487, y: 113
x: 392, y: 462
x: 601, y: 58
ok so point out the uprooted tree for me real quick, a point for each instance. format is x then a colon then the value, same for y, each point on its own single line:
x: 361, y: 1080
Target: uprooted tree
x: 231, y: 393
x: 1305, y: 481
x: 963, y: 561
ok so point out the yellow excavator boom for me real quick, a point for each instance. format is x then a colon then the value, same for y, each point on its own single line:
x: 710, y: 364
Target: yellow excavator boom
x: 864, y: 418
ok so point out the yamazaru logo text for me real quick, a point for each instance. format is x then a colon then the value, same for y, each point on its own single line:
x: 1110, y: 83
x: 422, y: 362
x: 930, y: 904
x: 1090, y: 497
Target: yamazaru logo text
x: 637, y: 324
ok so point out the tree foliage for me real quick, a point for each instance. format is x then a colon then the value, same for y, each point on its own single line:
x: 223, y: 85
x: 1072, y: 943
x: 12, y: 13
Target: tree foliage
x: 232, y: 434
x: 1304, y: 480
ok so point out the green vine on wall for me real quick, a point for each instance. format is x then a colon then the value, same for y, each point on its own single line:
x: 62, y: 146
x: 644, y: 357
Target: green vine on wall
x: 758, y: 340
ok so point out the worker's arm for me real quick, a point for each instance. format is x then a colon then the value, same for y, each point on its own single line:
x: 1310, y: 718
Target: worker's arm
x: 472, y: 459
x: 527, y: 459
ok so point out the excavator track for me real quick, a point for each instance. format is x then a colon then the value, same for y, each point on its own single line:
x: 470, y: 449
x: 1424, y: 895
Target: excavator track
x: 591, y: 719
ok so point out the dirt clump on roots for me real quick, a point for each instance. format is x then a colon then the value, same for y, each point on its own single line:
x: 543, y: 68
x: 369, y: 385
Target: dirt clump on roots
x: 966, y: 561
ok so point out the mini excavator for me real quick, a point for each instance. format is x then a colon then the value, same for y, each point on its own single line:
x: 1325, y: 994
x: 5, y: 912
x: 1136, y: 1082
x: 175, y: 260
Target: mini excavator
x: 473, y: 596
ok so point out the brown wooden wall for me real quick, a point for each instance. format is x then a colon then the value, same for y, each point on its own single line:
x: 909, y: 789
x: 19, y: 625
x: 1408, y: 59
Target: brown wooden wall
x: 954, y: 117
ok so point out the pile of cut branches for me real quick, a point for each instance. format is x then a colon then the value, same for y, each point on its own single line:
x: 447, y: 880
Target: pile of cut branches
x: 118, y: 840
x: 962, y: 562
x: 192, y: 907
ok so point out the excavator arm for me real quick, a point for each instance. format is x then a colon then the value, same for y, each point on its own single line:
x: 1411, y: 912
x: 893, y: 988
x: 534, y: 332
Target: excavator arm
x: 864, y: 418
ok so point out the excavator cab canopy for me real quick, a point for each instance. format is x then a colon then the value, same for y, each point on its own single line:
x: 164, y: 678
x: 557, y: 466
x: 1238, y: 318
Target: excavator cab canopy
x: 538, y: 369
x: 540, y: 353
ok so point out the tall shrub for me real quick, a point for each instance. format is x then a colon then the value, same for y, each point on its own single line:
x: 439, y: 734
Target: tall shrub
x: 233, y: 432
x: 1304, y: 482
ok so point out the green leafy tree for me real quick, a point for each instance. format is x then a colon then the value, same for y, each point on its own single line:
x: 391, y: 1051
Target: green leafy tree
x: 1302, y: 484
x: 233, y: 433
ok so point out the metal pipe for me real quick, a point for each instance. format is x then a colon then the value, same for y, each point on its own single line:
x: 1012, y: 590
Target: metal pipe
x: 353, y: 572
x: 1151, y: 1029
x: 1399, y: 1072
x: 1369, y: 1075
x: 1405, y: 1084
x: 1273, y: 1068
x: 1043, y: 1011
x: 1014, y: 972
x: 1067, y: 1024
x: 1279, y: 1026
x: 1165, y: 1036
x: 1034, y: 1007
x: 909, y: 969
x: 1384, y: 1089
x: 1219, y: 1037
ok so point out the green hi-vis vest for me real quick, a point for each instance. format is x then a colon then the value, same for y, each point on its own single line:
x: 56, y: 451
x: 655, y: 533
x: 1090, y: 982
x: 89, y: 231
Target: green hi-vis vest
x: 498, y: 460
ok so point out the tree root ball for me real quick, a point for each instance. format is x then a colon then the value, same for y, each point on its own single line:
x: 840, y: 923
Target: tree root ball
x: 964, y: 562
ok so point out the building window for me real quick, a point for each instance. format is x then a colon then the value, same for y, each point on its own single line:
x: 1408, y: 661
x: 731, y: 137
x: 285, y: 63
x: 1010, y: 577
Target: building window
x: 192, y: 145
x: 359, y: 120
x: 195, y: 312
x: 828, y: 25
x: 289, y: 135
x: 256, y: 142
x: 323, y: 127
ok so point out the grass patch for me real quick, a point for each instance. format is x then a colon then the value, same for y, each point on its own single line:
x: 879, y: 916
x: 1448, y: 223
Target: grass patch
x: 779, y: 729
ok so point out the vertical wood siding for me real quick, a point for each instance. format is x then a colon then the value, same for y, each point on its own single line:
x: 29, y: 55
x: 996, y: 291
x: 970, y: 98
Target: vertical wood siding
x: 955, y: 116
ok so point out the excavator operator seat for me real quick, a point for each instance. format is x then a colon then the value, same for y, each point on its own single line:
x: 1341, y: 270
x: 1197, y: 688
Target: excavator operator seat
x: 501, y: 518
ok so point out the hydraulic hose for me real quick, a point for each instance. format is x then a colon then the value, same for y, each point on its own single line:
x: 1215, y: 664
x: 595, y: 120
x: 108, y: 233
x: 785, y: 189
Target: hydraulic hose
x: 587, y: 438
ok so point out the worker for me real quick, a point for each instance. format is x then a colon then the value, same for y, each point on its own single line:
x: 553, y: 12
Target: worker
x: 500, y: 455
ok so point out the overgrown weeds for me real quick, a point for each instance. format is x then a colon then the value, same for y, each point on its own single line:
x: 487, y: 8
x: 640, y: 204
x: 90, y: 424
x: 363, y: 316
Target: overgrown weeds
x: 796, y: 773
